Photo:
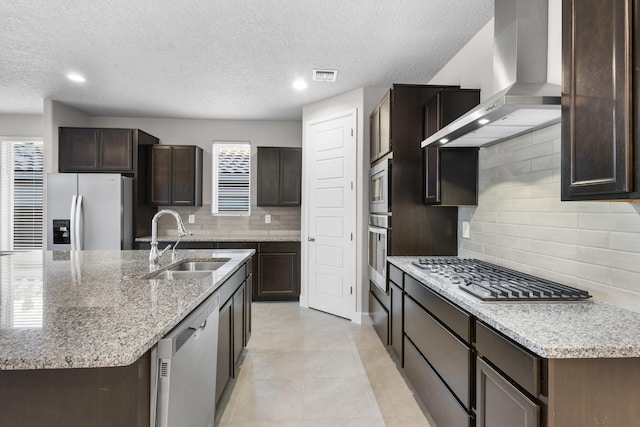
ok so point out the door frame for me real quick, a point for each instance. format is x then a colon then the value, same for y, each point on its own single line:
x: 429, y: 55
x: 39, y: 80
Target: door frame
x: 304, y: 226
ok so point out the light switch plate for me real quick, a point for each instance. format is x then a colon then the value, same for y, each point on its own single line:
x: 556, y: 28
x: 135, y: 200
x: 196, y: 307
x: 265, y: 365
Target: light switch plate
x: 466, y: 233
x: 192, y: 219
x: 267, y: 219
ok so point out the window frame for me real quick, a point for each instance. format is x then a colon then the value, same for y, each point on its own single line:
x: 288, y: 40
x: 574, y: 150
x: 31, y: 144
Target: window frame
x: 215, y: 185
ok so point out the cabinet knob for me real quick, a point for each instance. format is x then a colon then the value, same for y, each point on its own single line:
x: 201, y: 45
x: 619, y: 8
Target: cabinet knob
x: 311, y: 239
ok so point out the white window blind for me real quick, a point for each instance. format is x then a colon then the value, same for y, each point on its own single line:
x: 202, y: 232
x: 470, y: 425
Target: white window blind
x: 231, y: 178
x: 21, y: 194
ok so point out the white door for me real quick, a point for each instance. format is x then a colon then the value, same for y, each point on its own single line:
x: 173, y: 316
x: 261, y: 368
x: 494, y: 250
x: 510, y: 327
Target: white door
x: 330, y: 159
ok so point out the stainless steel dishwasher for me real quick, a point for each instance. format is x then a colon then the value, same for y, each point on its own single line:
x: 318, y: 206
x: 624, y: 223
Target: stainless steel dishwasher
x: 183, y: 370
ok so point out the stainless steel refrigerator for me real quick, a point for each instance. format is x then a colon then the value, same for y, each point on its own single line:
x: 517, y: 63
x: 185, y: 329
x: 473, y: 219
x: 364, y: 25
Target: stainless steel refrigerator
x: 89, y: 211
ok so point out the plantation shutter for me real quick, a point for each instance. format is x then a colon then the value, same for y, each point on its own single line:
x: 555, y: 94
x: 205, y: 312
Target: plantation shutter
x: 21, y: 194
x: 231, y: 177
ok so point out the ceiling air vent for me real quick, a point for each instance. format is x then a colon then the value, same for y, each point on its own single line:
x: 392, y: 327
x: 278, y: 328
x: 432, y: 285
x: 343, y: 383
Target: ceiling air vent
x: 325, y: 75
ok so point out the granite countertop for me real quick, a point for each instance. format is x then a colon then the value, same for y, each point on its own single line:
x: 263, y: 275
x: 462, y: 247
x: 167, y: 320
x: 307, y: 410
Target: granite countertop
x: 88, y: 309
x: 557, y: 330
x: 295, y: 237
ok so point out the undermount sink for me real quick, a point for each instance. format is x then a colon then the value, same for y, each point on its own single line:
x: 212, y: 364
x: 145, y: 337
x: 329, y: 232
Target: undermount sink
x: 199, y: 265
x: 174, y: 275
x: 189, y: 269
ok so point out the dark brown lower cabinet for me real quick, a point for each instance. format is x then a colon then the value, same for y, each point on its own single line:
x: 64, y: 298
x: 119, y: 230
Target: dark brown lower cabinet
x: 396, y: 314
x: 279, y: 272
x: 224, y: 370
x: 238, y: 323
x: 442, y: 405
x: 500, y: 403
x: 379, y: 304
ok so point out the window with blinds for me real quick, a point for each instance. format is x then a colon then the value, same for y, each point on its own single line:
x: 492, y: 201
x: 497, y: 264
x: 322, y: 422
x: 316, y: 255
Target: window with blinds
x: 231, y: 176
x: 21, y: 194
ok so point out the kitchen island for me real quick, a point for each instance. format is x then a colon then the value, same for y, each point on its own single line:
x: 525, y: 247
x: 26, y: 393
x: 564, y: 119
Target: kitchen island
x: 553, y: 364
x: 77, y: 329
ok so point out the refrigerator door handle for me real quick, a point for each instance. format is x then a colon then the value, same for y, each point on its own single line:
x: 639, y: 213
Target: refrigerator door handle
x: 72, y: 225
x: 79, y: 224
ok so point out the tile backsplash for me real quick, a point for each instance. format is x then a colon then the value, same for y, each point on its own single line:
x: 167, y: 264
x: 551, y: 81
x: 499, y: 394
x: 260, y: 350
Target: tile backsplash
x: 285, y: 221
x: 521, y: 223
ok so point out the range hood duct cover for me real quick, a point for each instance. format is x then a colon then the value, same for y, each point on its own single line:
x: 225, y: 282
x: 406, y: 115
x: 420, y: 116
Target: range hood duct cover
x: 524, y: 99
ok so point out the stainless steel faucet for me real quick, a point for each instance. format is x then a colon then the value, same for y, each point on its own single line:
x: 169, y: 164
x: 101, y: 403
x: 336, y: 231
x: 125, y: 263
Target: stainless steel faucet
x: 154, y: 256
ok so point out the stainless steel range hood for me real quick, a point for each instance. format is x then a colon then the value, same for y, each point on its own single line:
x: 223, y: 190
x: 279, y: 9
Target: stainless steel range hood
x: 525, y: 66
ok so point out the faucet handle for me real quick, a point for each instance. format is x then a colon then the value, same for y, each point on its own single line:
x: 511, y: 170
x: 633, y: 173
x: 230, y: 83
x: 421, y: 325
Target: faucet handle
x: 163, y: 251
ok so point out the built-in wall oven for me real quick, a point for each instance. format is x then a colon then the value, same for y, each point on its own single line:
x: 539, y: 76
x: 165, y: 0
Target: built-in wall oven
x: 379, y: 243
x: 380, y: 186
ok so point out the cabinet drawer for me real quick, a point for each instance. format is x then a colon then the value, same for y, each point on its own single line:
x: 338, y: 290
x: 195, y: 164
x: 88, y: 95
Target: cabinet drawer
x: 442, y: 405
x: 449, y: 356
x: 380, y: 318
x: 456, y: 319
x: 395, y: 275
x: 279, y: 246
x: 520, y: 365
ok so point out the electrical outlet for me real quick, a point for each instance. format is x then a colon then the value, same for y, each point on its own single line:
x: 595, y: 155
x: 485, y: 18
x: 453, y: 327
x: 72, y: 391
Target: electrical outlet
x: 466, y: 232
x: 267, y: 219
x: 192, y: 219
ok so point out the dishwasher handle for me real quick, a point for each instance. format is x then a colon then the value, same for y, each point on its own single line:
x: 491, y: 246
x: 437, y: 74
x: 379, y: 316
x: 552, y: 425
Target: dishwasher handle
x: 195, y: 322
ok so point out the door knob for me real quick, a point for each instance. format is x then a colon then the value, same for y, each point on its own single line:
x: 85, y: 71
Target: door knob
x: 311, y: 239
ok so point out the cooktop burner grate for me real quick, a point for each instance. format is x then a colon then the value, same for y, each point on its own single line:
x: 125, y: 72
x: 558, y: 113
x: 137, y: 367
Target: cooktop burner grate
x: 490, y: 282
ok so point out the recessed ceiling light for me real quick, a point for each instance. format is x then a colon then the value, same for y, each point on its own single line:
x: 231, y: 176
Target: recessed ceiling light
x: 299, y: 84
x: 75, y: 77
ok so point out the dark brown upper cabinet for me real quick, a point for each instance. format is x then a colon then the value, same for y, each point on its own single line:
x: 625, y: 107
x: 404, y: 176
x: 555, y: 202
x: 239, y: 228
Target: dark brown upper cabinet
x: 279, y: 176
x: 175, y: 175
x: 599, y: 101
x: 97, y: 150
x: 380, y: 140
x: 451, y: 174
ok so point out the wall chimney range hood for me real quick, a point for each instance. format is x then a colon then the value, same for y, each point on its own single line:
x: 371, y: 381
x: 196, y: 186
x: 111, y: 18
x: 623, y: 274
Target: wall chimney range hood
x: 527, y: 75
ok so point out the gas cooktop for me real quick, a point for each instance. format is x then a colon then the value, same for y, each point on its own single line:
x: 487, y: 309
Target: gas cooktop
x: 490, y: 282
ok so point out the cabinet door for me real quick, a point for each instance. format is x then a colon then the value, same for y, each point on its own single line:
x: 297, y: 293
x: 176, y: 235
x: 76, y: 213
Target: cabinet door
x: 597, y: 121
x: 116, y: 150
x: 395, y: 337
x: 186, y: 171
x: 431, y: 174
x: 290, y: 176
x: 385, y: 126
x: 78, y: 149
x: 160, y: 175
x: 238, y: 326
x: 224, y: 361
x: 268, y: 176
x: 279, y: 276
x: 499, y: 403
x: 374, y: 139
x: 248, y: 287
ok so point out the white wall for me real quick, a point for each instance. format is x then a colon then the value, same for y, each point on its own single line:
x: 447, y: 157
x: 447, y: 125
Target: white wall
x: 521, y: 223
x: 472, y: 66
x: 23, y: 125
x: 57, y: 114
x: 364, y: 100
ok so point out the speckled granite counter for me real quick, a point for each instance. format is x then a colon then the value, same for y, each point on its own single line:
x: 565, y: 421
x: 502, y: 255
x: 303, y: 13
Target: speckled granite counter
x: 555, y: 330
x: 219, y: 238
x: 90, y: 309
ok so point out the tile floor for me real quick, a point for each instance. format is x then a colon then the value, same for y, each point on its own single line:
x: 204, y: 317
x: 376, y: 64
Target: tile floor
x: 310, y: 369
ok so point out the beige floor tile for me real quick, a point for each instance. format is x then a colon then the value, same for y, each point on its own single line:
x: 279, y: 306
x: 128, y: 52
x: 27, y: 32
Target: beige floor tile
x: 341, y: 422
x: 269, y: 400
x: 332, y: 364
x: 338, y: 398
x: 274, y: 364
x: 305, y: 368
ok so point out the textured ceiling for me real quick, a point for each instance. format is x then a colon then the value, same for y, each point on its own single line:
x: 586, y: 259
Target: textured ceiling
x: 220, y: 59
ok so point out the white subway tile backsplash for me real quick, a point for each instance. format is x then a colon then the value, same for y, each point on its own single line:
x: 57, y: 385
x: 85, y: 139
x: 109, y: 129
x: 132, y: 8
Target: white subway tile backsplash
x: 520, y: 222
